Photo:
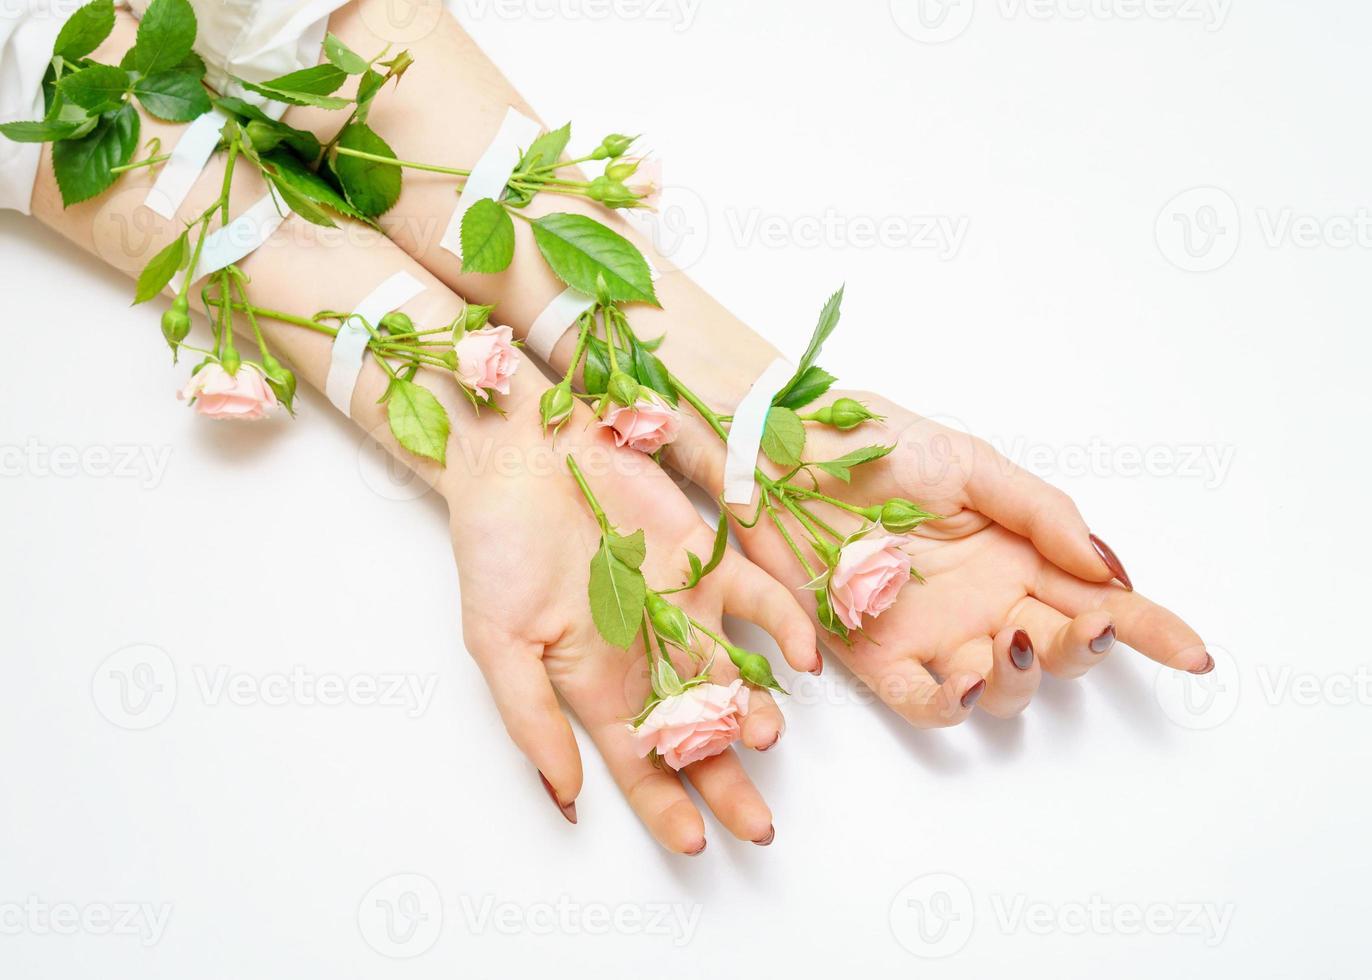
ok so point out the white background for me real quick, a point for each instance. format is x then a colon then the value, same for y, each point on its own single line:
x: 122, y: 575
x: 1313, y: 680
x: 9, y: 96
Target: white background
x: 1072, y: 323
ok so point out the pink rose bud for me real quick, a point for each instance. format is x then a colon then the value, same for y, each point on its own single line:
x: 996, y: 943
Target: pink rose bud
x: 486, y: 360
x: 696, y: 724
x: 868, y: 576
x: 647, y: 425
x: 217, y: 394
x: 648, y: 187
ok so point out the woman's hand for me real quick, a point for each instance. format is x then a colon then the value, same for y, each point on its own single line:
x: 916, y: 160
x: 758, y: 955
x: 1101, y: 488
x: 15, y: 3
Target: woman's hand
x: 1015, y: 583
x: 524, y: 538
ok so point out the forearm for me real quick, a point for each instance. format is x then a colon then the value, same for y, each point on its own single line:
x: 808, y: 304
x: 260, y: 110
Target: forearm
x: 302, y: 269
x: 445, y: 110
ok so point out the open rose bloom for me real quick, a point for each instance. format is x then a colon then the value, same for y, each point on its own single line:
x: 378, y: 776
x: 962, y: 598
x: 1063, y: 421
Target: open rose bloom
x: 868, y: 577
x: 646, y: 426
x: 699, y: 723
x: 486, y: 360
x: 217, y: 394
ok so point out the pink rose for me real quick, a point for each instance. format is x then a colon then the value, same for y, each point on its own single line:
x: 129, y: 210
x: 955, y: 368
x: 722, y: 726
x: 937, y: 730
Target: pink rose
x: 700, y: 722
x: 486, y: 360
x: 647, y: 425
x: 869, y: 575
x: 220, y: 395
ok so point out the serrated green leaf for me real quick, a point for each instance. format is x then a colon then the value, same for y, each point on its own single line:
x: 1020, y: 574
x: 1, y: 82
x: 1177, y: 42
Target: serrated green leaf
x: 488, y: 238
x: 288, y: 170
x: 173, y: 95
x: 343, y: 57
x: 617, y: 594
x: 828, y: 320
x: 98, y: 88
x: 843, y: 466
x: 783, y: 438
x: 805, y: 388
x: 595, y: 370
x: 84, y: 30
x: 651, y: 372
x: 302, y: 205
x: 83, y: 167
x: 372, y: 188
x: 316, y: 80
x: 296, y: 97
x: 166, y: 33
x: 42, y: 131
x: 305, y: 144
x: 546, y: 150
x: 631, y: 549
x: 160, y: 269
x: 581, y: 251
x: 418, y: 420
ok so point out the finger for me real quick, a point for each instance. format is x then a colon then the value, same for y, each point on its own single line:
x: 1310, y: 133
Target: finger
x: 757, y: 597
x: 732, y: 797
x: 1039, y: 511
x: 654, y: 793
x: 1154, y: 631
x: 1011, y: 668
x: 1066, y: 647
x: 908, y: 688
x: 529, y: 708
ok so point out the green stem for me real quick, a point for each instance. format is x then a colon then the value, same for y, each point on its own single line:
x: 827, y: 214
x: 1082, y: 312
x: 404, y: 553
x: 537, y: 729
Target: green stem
x: 790, y: 541
x: 594, y: 504
x: 816, y: 495
x: 393, y: 162
x: 149, y: 162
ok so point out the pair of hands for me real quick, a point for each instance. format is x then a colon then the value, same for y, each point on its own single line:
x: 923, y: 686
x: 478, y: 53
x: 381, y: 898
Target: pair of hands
x: 1015, y: 584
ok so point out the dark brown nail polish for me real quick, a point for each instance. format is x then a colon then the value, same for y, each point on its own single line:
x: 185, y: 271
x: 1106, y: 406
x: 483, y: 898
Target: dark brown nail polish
x: 973, y: 693
x: 569, y: 810
x: 1112, y: 562
x: 1021, y: 651
x: 819, y: 666
x: 698, y: 849
x: 1105, y: 641
x: 771, y: 744
x: 1209, y: 665
x: 771, y: 836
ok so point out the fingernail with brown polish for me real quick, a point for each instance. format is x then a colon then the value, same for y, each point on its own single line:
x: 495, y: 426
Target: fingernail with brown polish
x: 1112, y: 562
x: 1105, y: 641
x: 1209, y: 665
x: 771, y: 744
x: 819, y: 664
x: 569, y: 810
x: 771, y: 836
x: 1021, y: 651
x: 698, y: 849
x: 973, y: 693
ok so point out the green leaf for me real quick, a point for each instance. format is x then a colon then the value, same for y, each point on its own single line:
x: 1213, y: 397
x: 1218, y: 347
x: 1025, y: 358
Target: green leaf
x: 488, y: 238
x: 160, y: 269
x: 371, y: 84
x: 805, y: 388
x: 631, y: 549
x: 842, y: 467
x: 343, y: 57
x: 372, y: 188
x: 288, y: 170
x: 698, y: 570
x: 302, y: 205
x: 581, y: 251
x: 783, y: 439
x: 173, y: 95
x: 595, y: 371
x: 165, y: 36
x: 305, y: 144
x: 98, y: 88
x: 651, y: 372
x: 546, y: 150
x: 318, y: 80
x: 418, y: 420
x: 828, y: 320
x: 192, y: 64
x: 617, y: 593
x: 84, y: 30
x: 83, y: 166
x: 297, y: 98
x: 44, y: 131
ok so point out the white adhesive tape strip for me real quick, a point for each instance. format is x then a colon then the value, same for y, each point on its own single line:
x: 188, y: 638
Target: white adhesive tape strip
x: 745, y: 432
x: 492, y: 172
x: 345, y: 363
x: 187, y: 161
x: 239, y: 238
x: 559, y: 315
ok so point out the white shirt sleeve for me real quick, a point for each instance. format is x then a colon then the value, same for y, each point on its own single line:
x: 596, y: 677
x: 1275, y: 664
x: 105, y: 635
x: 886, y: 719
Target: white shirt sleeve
x: 26, y: 40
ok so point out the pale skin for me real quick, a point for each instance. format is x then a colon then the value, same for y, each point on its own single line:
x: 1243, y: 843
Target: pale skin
x: 522, y: 533
x: 1013, y: 554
